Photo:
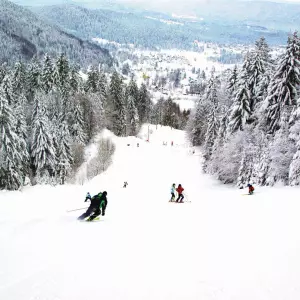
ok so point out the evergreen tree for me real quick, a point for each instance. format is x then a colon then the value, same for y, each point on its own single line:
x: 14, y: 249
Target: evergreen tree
x: 33, y: 79
x: 64, y: 155
x: 7, y: 90
x: 144, y: 104
x: 281, y: 152
x: 259, y: 65
x: 91, y: 84
x: 197, y: 124
x: 117, y: 106
x: 42, y: 148
x: 133, y: 91
x: 18, y: 79
x: 211, y: 133
x: 3, y: 71
x: 169, y: 117
x: 77, y: 129
x: 283, y: 86
x: 246, y: 169
x: 11, y: 151
x: 47, y: 74
x: 240, y: 112
x: 294, y: 170
x: 74, y: 80
x: 232, y: 81
x: 133, y: 118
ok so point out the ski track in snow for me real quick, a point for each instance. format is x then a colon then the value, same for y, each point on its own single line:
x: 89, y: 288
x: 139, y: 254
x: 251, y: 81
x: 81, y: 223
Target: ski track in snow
x: 220, y: 246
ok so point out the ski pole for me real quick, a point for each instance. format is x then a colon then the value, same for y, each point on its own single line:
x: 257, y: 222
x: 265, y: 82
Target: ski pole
x: 77, y: 209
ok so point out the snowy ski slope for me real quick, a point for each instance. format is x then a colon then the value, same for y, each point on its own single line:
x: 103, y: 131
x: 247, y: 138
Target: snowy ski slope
x: 220, y: 246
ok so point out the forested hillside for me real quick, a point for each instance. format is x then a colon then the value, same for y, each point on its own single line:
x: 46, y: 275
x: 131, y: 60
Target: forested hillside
x: 23, y: 35
x: 151, y: 29
x: 248, y: 121
x: 48, y: 113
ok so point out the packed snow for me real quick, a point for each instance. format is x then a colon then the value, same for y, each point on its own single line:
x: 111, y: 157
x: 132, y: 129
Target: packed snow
x: 221, y: 244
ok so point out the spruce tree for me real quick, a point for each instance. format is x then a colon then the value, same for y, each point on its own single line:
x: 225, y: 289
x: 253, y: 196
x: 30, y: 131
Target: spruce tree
x: 117, y: 108
x: 77, y: 129
x: 240, y: 111
x: 144, y: 104
x: 197, y: 124
x: 74, y: 80
x: 133, y: 118
x: 33, y: 79
x: 12, y: 172
x: 42, y: 148
x: 246, y: 168
x: 91, y: 84
x: 47, y: 74
x: 232, y: 81
x: 64, y: 154
x: 18, y: 79
x: 283, y: 86
x: 294, y: 169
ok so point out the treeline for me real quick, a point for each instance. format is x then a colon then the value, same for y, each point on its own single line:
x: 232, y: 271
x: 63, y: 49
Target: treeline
x: 248, y: 119
x: 48, y: 113
x: 24, y: 35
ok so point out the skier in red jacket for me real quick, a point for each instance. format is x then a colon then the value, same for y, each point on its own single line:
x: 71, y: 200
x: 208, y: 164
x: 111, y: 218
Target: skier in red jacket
x: 179, y: 190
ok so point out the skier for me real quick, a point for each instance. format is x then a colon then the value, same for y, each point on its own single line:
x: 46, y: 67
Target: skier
x: 172, y: 192
x: 125, y: 184
x: 88, y: 197
x: 251, y: 189
x: 98, y: 202
x: 179, y: 190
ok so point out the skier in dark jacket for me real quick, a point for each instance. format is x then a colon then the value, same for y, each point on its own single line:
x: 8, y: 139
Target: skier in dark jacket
x: 98, y: 203
x: 251, y: 189
x: 180, y: 190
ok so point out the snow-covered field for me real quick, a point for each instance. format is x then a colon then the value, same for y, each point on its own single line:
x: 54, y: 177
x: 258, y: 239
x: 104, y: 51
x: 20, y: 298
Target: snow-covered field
x: 221, y: 245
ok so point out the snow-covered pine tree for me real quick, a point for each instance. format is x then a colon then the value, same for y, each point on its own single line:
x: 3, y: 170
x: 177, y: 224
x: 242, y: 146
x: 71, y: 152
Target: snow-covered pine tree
x: 7, y: 90
x: 217, y: 151
x: 169, y: 117
x: 158, y: 112
x: 74, y: 80
x: 211, y: 135
x: 197, y: 124
x: 62, y: 82
x: 77, y: 128
x: 3, y: 71
x: 240, y: 111
x: 18, y: 79
x: 117, y: 109
x: 21, y: 130
x: 232, y: 81
x: 294, y: 170
x: 42, y: 148
x: 12, y: 153
x: 260, y: 63
x: 92, y: 81
x: 133, y: 91
x: 212, y: 121
x: 33, y: 79
x: 133, y: 117
x: 282, y: 90
x: 144, y: 104
x: 64, y: 154
x: 281, y: 151
x: 246, y: 168
x: 47, y: 74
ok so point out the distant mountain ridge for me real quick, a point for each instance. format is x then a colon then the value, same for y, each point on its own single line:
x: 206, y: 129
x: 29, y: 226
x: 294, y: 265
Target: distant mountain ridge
x: 152, y: 29
x: 23, y: 35
x: 272, y: 14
